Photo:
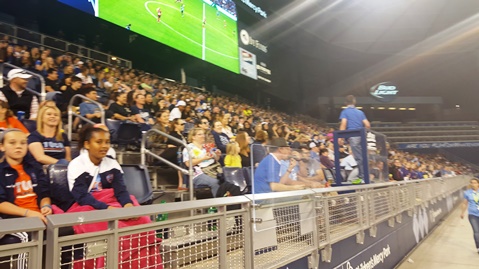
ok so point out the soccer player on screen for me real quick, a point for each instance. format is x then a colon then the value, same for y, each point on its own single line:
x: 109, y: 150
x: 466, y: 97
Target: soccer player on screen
x: 158, y: 11
x: 182, y: 10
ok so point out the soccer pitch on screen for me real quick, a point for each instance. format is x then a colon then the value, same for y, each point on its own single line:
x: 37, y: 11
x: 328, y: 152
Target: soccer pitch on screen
x: 200, y: 30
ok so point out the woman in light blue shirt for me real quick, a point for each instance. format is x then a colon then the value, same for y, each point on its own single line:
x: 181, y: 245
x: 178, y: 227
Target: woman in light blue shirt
x: 471, y: 203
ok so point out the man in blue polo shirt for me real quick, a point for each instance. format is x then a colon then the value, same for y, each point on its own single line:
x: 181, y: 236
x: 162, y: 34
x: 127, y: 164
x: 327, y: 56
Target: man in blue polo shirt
x: 353, y: 118
x: 267, y: 176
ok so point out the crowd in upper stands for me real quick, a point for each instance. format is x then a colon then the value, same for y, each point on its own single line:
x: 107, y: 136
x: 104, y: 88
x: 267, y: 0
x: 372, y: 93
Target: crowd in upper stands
x: 227, y: 5
x: 229, y: 126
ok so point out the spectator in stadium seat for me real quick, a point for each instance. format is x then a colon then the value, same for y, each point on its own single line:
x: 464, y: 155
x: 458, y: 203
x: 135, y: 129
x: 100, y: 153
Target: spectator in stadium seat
x: 471, y: 204
x: 32, y: 197
x: 26, y: 61
x: 221, y: 139
x: 314, y: 150
x: 177, y: 112
x: 247, y: 128
x: 207, y: 115
x: 325, y: 160
x: 352, y: 118
x: 149, y: 105
x: 310, y: 169
x: 172, y: 104
x: 84, y: 75
x: 259, y: 150
x: 301, y: 174
x: 94, y: 171
x: 201, y: 159
x: 267, y: 175
x: 3, y: 50
x: 177, y: 127
x: 9, y: 55
x: 47, y: 64
x: 51, y: 81
x: 232, y: 158
x: 16, y: 95
x: 119, y: 109
x: 225, y: 121
x: 71, y: 90
x: 8, y: 120
x: 395, y: 170
x: 67, y: 73
x: 89, y: 109
x: 162, y: 123
x: 243, y: 140
x: 49, y: 144
x: 141, y: 114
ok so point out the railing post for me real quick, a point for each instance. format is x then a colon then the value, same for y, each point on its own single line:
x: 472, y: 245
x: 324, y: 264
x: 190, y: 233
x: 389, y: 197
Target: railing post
x: 223, y: 244
x: 52, y: 249
x: 113, y: 245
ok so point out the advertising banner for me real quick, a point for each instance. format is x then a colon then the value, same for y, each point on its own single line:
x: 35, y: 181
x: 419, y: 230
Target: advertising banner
x: 437, y: 145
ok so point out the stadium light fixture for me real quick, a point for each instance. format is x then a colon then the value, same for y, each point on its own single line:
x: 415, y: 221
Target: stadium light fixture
x: 114, y: 58
x: 412, y: 108
x: 381, y: 108
x: 402, y: 108
x: 391, y: 108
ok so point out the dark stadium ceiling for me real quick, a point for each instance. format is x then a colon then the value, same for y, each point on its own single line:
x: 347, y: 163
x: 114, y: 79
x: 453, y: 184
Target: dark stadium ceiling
x: 429, y: 47
x: 383, y: 26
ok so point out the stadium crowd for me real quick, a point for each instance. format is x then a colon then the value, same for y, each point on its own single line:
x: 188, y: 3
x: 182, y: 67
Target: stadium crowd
x: 288, y: 152
x: 228, y: 125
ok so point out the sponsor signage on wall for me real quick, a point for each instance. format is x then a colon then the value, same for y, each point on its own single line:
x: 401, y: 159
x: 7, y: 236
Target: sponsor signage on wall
x: 391, y: 244
x: 384, y: 91
x: 254, y: 60
x: 438, y: 145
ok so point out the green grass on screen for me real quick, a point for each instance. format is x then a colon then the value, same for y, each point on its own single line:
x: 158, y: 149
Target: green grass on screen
x: 183, y: 33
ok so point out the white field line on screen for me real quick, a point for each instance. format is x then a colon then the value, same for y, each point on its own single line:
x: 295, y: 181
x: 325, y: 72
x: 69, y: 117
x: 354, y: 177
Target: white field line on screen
x: 189, y: 39
x: 94, y: 4
x: 203, y: 54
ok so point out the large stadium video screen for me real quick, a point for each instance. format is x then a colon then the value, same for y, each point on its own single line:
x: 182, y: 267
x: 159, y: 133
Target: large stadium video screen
x: 206, y: 29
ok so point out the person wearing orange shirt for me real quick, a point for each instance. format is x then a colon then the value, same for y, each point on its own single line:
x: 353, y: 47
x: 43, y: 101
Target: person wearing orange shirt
x: 24, y: 188
x: 7, y: 120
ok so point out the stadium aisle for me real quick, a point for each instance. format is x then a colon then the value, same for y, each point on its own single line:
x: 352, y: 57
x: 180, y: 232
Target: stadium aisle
x: 450, y: 246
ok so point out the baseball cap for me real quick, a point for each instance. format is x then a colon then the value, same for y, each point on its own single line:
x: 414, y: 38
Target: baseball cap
x: 18, y: 73
x: 181, y: 103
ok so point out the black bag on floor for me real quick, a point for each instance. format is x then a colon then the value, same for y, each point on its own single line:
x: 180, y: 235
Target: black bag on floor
x: 227, y: 189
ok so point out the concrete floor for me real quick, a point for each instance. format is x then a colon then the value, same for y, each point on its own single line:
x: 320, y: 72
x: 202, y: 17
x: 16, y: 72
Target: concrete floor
x: 450, y: 246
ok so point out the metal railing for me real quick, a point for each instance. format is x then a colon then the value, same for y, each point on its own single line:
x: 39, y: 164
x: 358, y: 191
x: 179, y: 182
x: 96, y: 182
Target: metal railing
x: 71, y: 113
x: 42, y: 94
x: 144, y: 151
x: 28, y: 253
x: 288, y: 226
x: 31, y: 38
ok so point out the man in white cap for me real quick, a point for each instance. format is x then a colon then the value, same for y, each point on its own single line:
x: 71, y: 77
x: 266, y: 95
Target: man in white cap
x: 18, y: 98
x: 178, y: 110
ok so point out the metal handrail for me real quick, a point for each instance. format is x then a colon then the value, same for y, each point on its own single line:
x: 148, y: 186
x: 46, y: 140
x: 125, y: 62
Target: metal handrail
x: 42, y: 94
x: 415, y: 195
x: 70, y: 113
x: 145, y: 151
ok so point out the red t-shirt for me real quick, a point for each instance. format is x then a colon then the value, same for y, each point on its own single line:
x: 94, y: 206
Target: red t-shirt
x: 25, y: 197
x: 14, y: 123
